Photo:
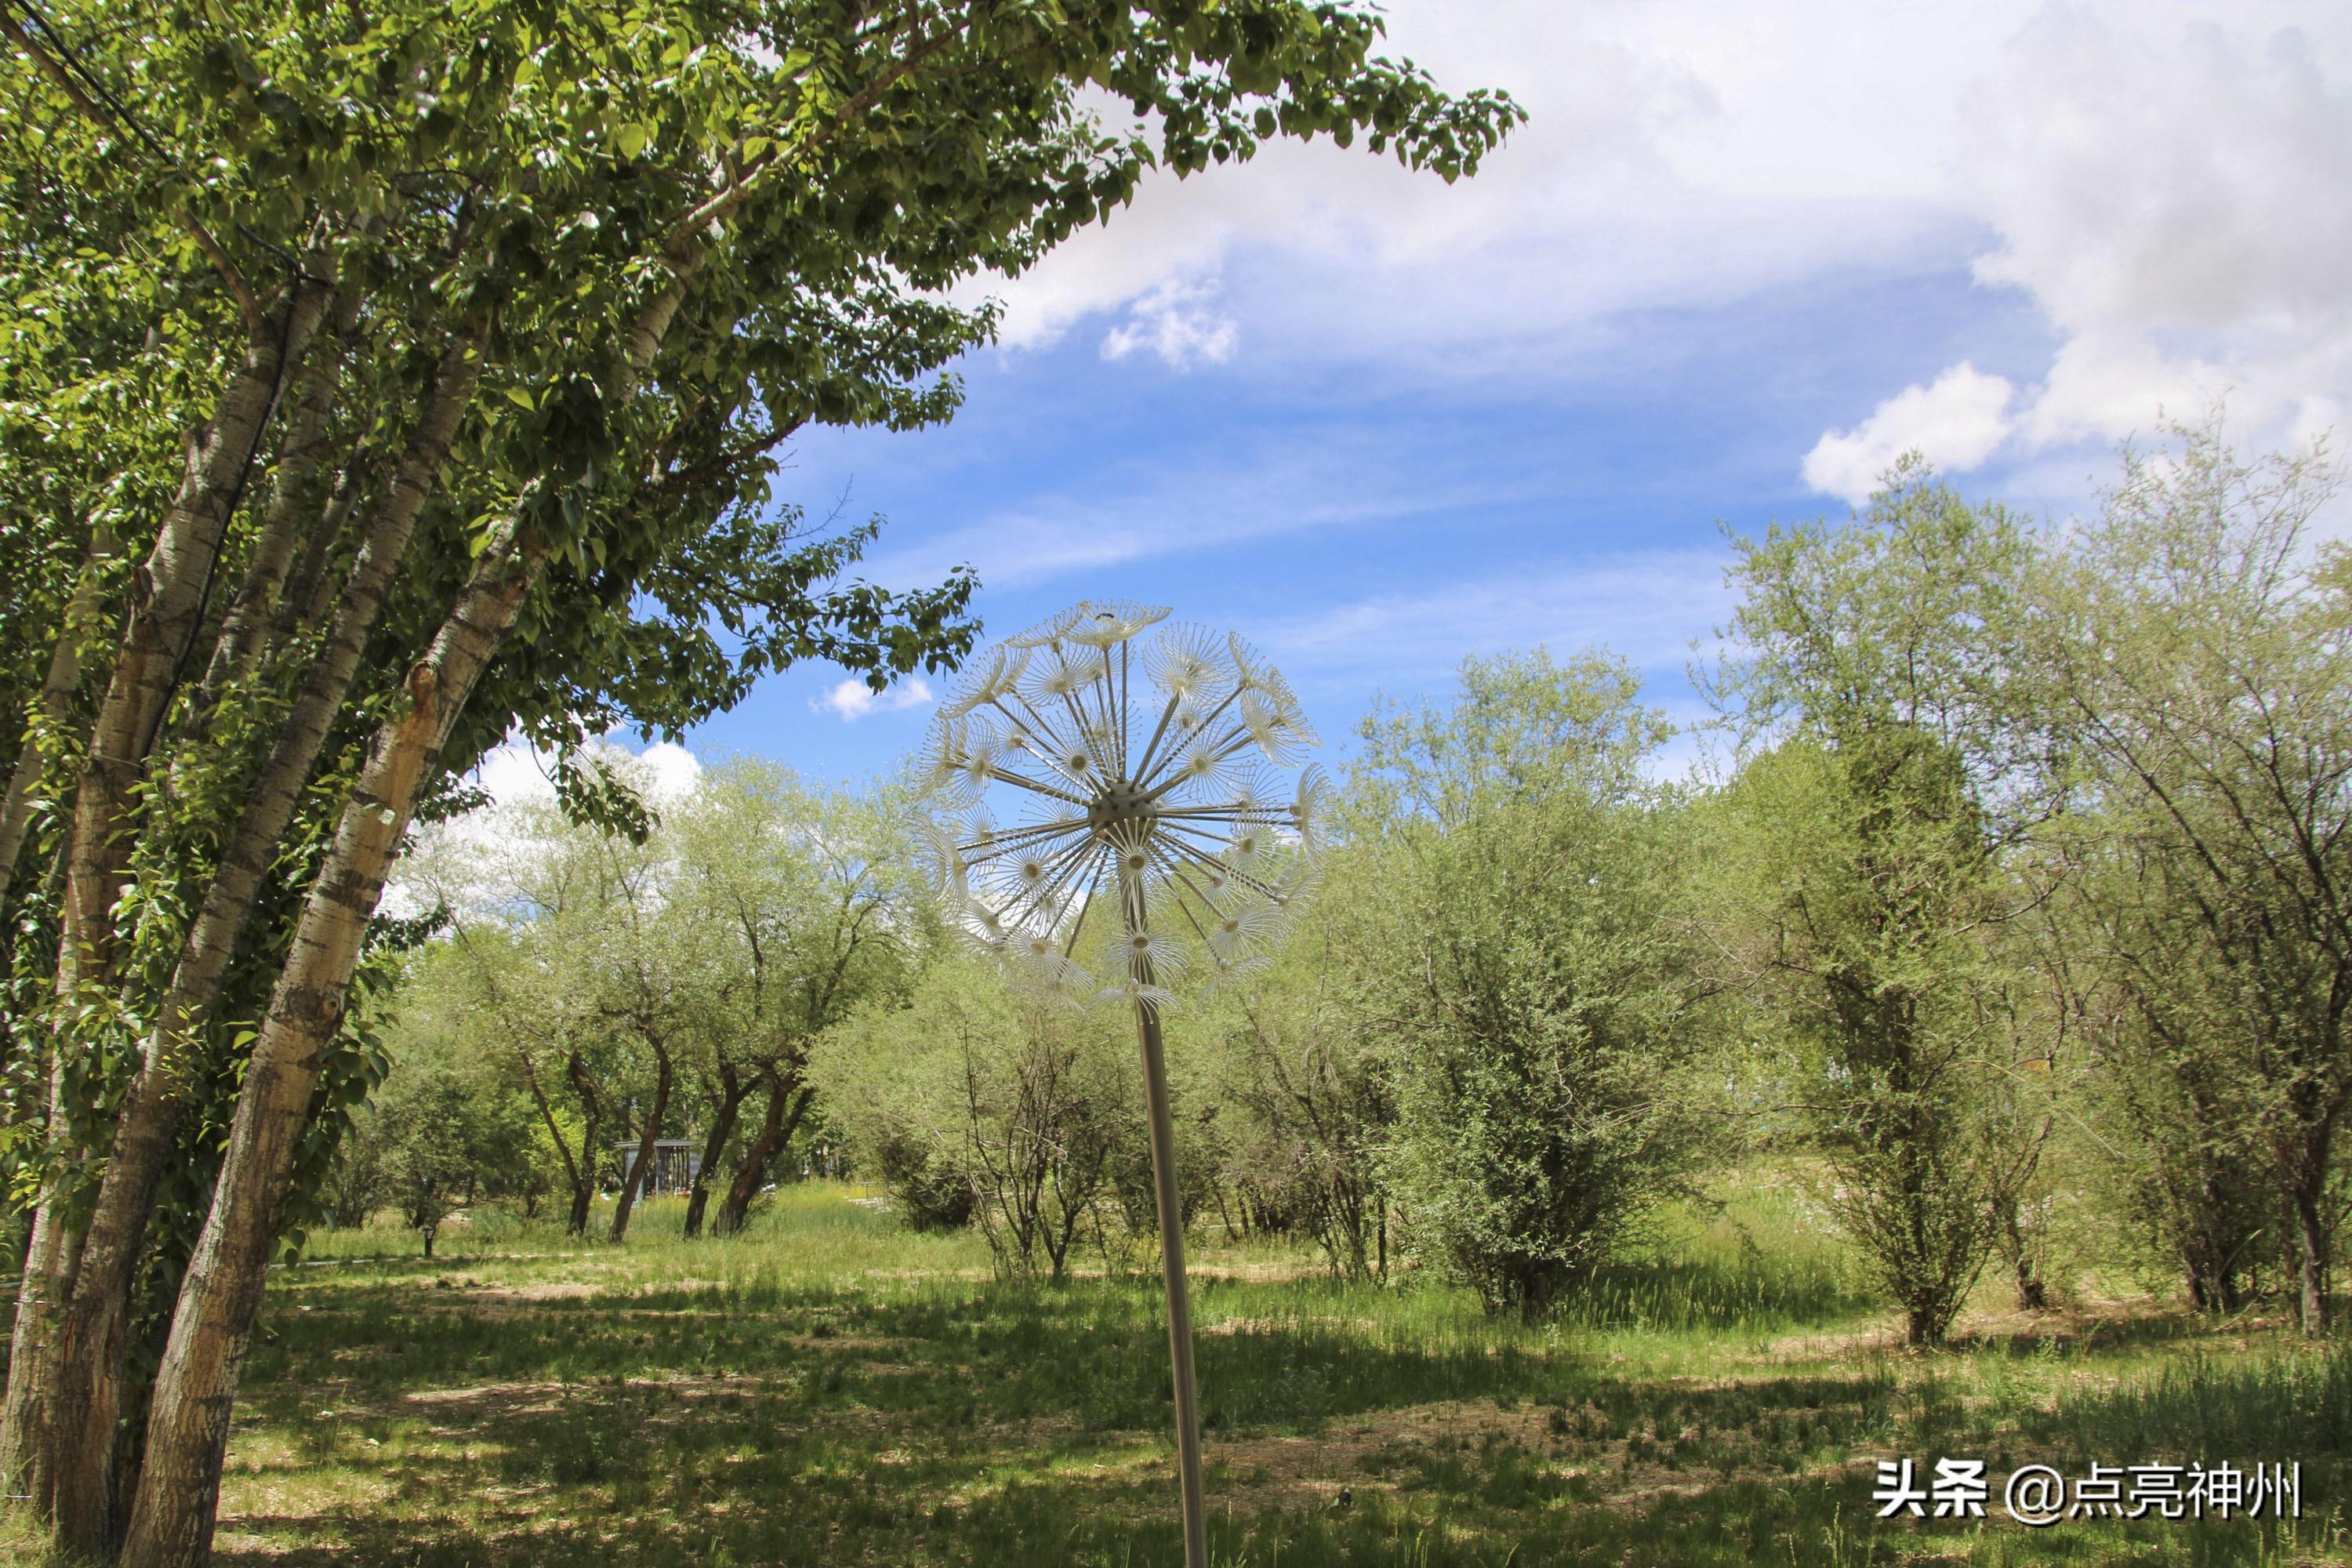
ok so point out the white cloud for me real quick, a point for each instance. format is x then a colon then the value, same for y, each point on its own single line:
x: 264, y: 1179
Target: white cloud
x: 853, y: 699
x: 670, y: 771
x: 2167, y: 183
x: 1957, y: 422
x: 1179, y: 321
x: 1659, y: 167
x: 473, y: 861
x: 664, y: 772
x: 2177, y: 198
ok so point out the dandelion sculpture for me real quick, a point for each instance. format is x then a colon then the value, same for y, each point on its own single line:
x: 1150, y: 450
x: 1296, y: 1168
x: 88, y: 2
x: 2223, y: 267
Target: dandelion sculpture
x: 1160, y: 834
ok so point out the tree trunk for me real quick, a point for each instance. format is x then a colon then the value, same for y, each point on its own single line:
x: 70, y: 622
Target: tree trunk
x: 310, y: 586
x: 578, y: 1172
x: 777, y: 1120
x: 777, y: 1124
x: 642, y: 1172
x: 733, y: 1088
x: 592, y: 1114
x: 179, y: 1483
x: 88, y: 1345
x: 2312, y: 1250
x: 308, y: 435
x: 1922, y: 1329
x: 57, y: 691
x: 166, y: 605
x: 2033, y: 1295
x: 24, y: 1453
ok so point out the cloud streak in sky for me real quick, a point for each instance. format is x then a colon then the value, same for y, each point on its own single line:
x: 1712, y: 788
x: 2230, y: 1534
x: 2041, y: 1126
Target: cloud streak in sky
x: 1648, y: 607
x: 2168, y: 182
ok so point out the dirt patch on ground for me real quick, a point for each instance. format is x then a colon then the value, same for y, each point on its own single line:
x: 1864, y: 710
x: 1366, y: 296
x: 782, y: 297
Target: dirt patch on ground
x: 538, y: 1290
x: 1374, y: 1452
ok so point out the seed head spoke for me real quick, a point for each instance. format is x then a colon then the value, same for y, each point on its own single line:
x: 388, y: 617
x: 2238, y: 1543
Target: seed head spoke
x: 1201, y: 881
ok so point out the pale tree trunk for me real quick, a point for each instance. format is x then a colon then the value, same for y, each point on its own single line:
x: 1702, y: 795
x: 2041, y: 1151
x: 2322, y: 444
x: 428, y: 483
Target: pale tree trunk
x: 57, y: 692
x: 309, y: 434
x: 172, y: 1515
x: 85, y: 1382
x: 179, y: 1481
x: 642, y: 1172
x: 311, y: 586
x: 165, y: 610
x: 2311, y: 1256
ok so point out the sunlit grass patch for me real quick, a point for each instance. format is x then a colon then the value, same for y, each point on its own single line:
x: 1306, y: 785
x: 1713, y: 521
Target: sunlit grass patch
x: 829, y: 1389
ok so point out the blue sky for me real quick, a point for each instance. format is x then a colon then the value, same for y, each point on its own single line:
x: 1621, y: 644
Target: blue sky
x: 1741, y: 256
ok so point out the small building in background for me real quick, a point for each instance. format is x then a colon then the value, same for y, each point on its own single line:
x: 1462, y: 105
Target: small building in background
x: 676, y: 1162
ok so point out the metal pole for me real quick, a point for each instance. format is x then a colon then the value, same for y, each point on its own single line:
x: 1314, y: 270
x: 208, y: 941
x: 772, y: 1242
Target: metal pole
x: 1172, y: 1270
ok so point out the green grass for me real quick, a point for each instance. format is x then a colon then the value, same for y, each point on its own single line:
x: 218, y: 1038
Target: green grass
x: 828, y: 1390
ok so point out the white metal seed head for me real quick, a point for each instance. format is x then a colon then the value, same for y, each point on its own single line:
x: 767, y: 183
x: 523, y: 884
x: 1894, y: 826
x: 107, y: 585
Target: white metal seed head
x: 1152, y: 955
x: 1313, y: 798
x: 1248, y: 847
x: 1060, y: 673
x: 1250, y: 668
x: 979, y: 683
x: 1269, y: 725
x: 1048, y: 630
x: 1240, y: 972
x: 1300, y: 880
x: 1106, y: 625
x: 1204, y: 771
x: 937, y: 860
x: 978, y: 766
x: 1135, y: 991
x: 984, y: 925
x: 1240, y: 930
x: 1147, y: 836
x: 1254, y: 788
x: 1188, y: 662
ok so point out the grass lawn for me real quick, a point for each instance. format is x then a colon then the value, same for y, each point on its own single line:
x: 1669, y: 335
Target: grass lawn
x: 829, y: 1389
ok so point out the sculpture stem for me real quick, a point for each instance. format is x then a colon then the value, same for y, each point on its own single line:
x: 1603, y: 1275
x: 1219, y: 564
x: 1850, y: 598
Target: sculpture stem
x: 1171, y: 1267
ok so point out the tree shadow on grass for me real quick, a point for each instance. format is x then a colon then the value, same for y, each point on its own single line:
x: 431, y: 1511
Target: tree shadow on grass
x: 975, y: 1424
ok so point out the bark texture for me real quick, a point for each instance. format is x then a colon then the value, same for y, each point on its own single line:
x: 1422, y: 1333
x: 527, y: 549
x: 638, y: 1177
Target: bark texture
x: 88, y: 1347
x: 165, y: 610
x: 172, y: 1518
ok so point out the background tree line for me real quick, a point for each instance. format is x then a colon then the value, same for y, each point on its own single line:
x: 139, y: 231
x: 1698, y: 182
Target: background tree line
x: 2010, y: 912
